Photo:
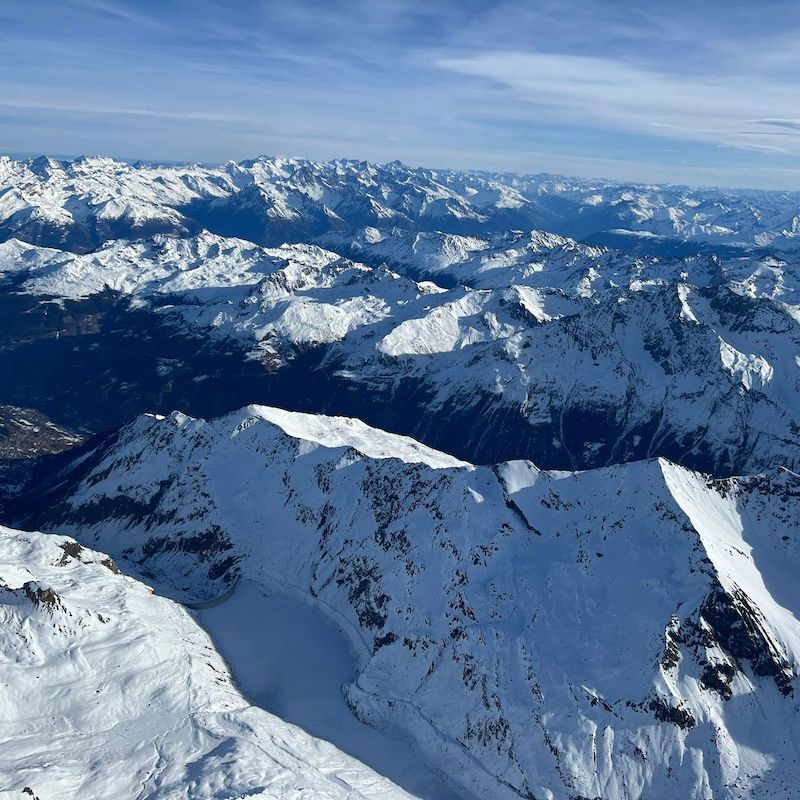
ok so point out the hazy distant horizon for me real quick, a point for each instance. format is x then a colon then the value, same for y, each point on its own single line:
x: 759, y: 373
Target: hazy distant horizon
x: 433, y: 167
x: 690, y: 94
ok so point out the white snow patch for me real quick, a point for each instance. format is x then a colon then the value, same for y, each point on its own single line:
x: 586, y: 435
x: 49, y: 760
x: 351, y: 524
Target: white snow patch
x: 327, y: 431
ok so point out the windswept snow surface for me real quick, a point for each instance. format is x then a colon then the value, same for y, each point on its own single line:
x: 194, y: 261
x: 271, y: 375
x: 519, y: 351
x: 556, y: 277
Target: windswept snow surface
x: 111, y: 692
x: 334, y: 432
x: 624, y: 633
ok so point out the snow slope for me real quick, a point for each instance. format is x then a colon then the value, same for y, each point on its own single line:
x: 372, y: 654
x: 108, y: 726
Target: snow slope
x: 624, y: 633
x: 111, y: 691
x: 332, y: 432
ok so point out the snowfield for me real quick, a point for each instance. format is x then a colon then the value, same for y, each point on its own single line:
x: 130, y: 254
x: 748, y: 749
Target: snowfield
x: 111, y: 691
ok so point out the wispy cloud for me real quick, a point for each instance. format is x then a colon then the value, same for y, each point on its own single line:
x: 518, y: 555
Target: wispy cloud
x: 116, y: 111
x: 693, y: 92
x: 121, y: 11
x: 591, y: 91
x: 793, y: 124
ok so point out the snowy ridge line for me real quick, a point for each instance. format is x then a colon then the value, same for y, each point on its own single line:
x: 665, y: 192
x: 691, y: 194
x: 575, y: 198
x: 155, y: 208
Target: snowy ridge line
x: 574, y: 355
x: 515, y: 608
x: 330, y: 432
x: 78, y: 204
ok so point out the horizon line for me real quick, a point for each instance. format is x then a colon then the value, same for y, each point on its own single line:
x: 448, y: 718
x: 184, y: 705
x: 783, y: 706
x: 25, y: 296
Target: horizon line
x: 22, y: 156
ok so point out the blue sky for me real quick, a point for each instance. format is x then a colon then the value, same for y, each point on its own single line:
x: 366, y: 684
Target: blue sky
x: 703, y: 92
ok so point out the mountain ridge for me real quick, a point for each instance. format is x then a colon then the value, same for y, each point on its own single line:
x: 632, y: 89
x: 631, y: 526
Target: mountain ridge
x: 366, y: 537
x: 269, y: 201
x: 581, y: 355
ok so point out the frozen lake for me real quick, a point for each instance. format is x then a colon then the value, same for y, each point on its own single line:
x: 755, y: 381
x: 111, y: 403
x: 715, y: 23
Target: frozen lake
x: 290, y: 660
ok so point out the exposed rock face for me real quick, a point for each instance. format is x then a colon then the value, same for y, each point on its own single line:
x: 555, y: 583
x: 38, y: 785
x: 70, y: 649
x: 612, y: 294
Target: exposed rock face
x: 609, y: 633
x: 25, y: 433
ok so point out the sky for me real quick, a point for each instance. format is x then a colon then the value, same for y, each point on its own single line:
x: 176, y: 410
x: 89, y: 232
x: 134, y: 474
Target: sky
x: 703, y: 92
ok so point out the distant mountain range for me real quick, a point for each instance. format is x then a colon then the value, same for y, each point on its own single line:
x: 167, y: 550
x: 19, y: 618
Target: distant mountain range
x: 80, y: 204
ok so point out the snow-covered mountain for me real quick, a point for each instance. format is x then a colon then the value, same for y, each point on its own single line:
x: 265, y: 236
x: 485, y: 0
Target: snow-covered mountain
x: 80, y: 204
x: 624, y: 633
x: 226, y: 288
x: 110, y: 691
x: 510, y: 562
x: 574, y: 355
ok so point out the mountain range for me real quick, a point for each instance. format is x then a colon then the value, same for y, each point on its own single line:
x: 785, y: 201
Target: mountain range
x: 79, y: 204
x: 414, y: 483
